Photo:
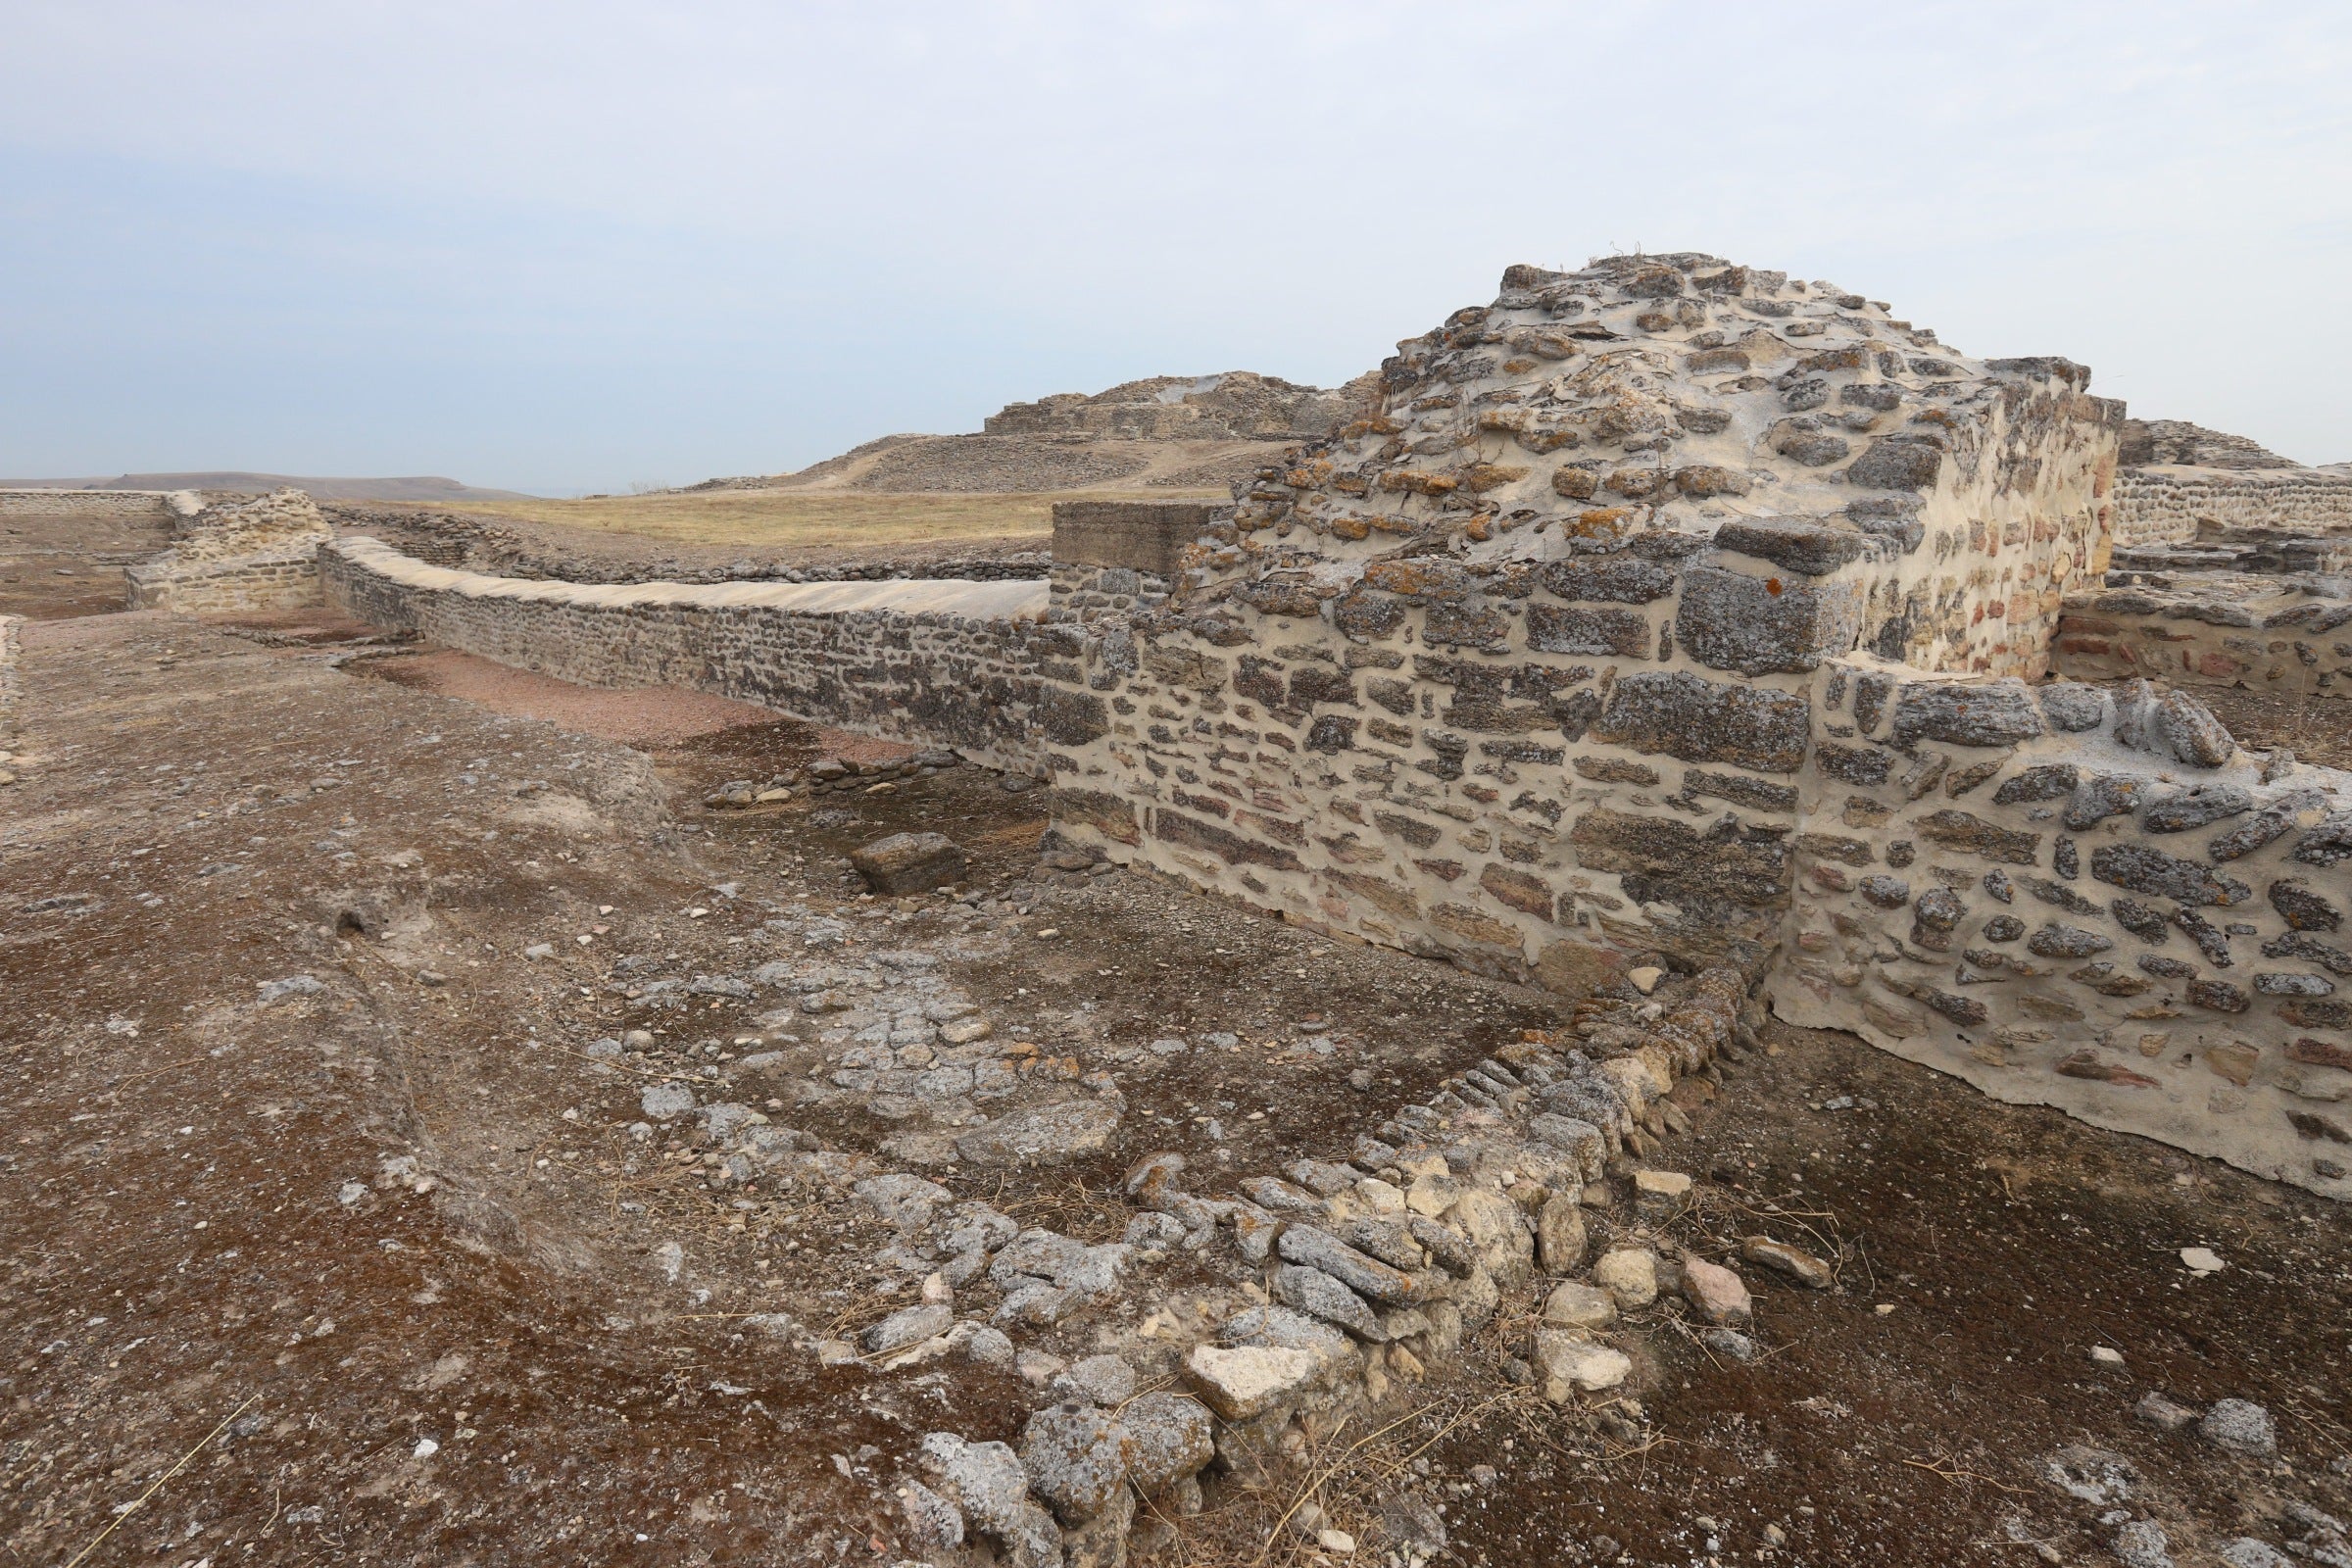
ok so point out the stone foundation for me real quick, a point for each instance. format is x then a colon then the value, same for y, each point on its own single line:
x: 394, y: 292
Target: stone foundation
x: 964, y: 665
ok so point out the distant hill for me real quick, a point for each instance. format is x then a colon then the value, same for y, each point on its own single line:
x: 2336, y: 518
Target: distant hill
x: 1166, y: 433
x: 418, y: 488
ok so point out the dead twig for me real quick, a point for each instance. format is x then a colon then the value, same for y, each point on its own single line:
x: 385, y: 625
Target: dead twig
x: 157, y: 1484
x: 1942, y: 1466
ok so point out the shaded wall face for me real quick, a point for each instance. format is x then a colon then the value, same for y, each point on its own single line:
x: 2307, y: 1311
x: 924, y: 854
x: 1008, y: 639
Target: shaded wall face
x: 994, y: 687
x: 2019, y: 516
x: 2073, y: 901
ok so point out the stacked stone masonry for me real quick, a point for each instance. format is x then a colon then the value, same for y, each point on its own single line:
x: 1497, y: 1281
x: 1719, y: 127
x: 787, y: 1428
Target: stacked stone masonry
x: 1541, y: 665
x: 2082, y: 901
x: 237, y: 556
x: 967, y: 664
x: 1666, y: 611
x: 97, y: 503
x: 2168, y: 505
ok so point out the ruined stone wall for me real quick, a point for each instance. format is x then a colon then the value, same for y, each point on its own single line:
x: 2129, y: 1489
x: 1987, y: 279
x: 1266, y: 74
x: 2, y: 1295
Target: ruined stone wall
x: 2072, y: 900
x: 11, y: 682
x: 970, y: 665
x: 243, y: 555
x: 1519, y: 669
x: 97, y: 503
x: 2158, y: 505
x: 2287, y: 635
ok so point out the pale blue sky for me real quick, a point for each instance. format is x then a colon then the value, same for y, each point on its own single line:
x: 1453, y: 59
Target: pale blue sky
x: 566, y: 247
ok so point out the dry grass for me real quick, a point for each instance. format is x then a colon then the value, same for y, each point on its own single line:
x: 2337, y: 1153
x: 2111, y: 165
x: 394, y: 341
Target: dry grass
x: 816, y: 518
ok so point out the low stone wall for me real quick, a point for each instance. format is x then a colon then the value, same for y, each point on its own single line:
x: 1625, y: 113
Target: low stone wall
x: 2220, y: 629
x: 9, y: 686
x: 964, y: 664
x: 1345, y: 1285
x: 98, y: 503
x: 2076, y: 901
x: 2161, y: 505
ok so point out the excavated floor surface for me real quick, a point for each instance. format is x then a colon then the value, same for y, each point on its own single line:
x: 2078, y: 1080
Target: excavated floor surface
x: 220, y: 1253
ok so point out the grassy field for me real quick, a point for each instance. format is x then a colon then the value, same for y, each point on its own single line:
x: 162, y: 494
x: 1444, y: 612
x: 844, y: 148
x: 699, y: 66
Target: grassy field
x: 785, y: 518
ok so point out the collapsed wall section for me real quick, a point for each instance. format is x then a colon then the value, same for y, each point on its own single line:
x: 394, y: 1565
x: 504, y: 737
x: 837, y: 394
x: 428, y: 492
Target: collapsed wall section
x: 966, y: 665
x: 2077, y: 899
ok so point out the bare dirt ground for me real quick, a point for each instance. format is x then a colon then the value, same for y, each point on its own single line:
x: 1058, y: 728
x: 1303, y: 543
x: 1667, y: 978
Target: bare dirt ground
x: 55, y: 566
x: 333, y: 1237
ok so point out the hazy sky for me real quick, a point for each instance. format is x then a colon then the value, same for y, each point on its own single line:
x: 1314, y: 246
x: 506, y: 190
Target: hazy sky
x: 575, y: 246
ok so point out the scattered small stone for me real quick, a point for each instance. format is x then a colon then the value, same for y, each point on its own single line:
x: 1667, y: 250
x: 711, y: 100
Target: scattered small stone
x: 1720, y: 1296
x: 1794, y: 1261
x: 666, y: 1102
x: 1041, y: 1134
x: 1630, y: 1274
x: 1103, y: 1380
x: 2201, y: 1260
x: 1730, y: 1341
x: 1662, y: 1186
x: 2247, y: 1553
x: 2142, y: 1543
x: 1646, y: 978
x: 1567, y: 1361
x: 2241, y: 1426
x: 2162, y: 1412
x: 1580, y: 1306
x: 2093, y: 1475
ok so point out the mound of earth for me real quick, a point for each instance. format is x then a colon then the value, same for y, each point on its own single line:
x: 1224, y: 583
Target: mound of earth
x: 1167, y: 432
x: 1029, y: 463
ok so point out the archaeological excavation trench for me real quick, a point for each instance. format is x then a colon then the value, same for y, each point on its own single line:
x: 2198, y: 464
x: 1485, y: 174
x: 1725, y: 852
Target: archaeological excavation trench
x: 1709, y: 931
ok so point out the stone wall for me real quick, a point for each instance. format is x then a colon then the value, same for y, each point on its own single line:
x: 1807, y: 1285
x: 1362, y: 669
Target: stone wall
x: 2074, y: 899
x: 236, y: 556
x: 97, y: 503
x: 11, y: 689
x: 1594, y: 642
x: 966, y: 665
x: 1520, y: 668
x: 2158, y: 505
x: 2271, y: 634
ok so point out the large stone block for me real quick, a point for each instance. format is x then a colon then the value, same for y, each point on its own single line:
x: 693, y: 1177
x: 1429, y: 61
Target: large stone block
x: 1145, y: 535
x: 1999, y: 712
x: 1759, y: 626
x: 1701, y: 721
x: 1572, y: 629
x: 911, y: 863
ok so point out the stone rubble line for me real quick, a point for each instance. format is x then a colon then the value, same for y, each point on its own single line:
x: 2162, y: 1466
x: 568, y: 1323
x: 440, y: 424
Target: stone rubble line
x: 1367, y: 1285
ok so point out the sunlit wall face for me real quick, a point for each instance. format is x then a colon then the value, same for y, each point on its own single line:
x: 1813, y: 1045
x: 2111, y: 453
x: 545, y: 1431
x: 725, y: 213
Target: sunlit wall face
x: 556, y: 248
